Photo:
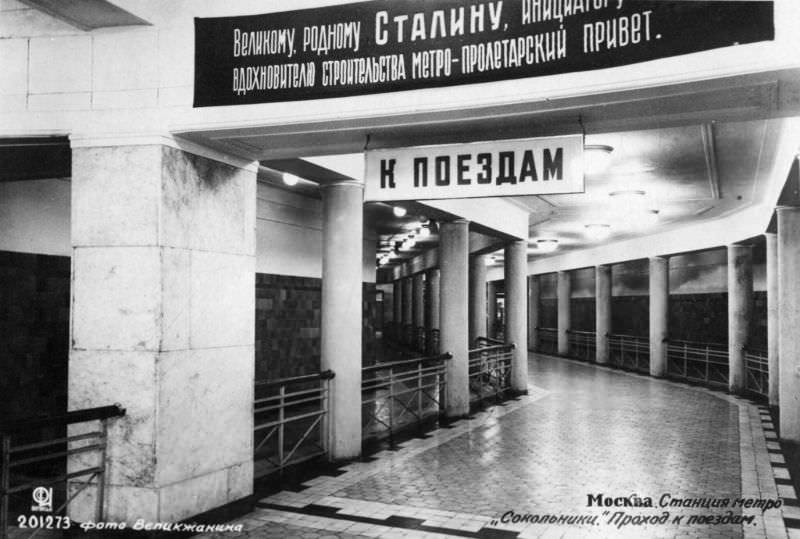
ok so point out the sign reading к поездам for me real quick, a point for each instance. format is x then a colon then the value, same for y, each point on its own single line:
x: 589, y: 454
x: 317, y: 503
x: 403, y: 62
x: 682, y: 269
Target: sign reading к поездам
x: 382, y: 46
x: 482, y: 169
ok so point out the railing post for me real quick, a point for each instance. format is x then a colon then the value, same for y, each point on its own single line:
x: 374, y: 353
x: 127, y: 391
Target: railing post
x: 5, y: 454
x: 101, y: 478
x: 707, y: 365
x: 281, y: 418
x: 419, y: 393
x: 685, y: 361
x: 391, y: 406
x: 325, y: 392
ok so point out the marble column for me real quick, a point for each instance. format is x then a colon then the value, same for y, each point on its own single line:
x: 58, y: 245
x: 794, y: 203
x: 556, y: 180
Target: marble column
x: 659, y: 315
x: 408, y: 309
x: 163, y: 322
x: 433, y: 298
x: 564, y: 291
x: 342, y: 311
x: 397, y: 309
x: 516, y: 271
x: 477, y: 298
x: 740, y: 308
x: 773, y: 337
x: 602, y: 312
x: 534, y: 292
x: 418, y: 318
x: 491, y: 308
x: 789, y: 322
x: 454, y: 319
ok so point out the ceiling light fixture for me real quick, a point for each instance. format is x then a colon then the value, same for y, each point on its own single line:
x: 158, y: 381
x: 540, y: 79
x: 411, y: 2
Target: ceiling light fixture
x: 598, y: 231
x: 628, y: 194
x: 547, y: 245
x: 290, y: 179
x: 399, y: 211
x: 596, y: 157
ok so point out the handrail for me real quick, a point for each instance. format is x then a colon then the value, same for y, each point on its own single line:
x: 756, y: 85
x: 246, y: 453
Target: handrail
x: 580, y: 332
x: 487, y: 340
x: 324, y: 375
x: 494, y: 348
x: 396, y: 390
x: 285, y: 422
x: 54, y: 448
x: 626, y: 336
x: 490, y: 371
x: 70, y: 418
x: 697, y: 344
x: 414, y: 361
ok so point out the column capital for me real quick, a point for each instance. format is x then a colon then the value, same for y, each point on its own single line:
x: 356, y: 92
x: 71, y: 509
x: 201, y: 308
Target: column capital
x: 458, y: 221
x: 155, y: 138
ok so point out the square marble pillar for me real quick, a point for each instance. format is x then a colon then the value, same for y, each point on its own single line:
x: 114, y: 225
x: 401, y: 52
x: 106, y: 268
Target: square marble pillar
x: 163, y: 307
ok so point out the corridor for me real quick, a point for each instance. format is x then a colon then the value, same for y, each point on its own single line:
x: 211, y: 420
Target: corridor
x: 528, y: 467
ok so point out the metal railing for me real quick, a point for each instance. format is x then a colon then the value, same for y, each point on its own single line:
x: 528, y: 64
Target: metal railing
x: 288, y: 415
x: 489, y: 369
x: 629, y: 352
x: 756, y: 369
x: 40, y: 448
x: 582, y: 344
x: 706, y: 363
x: 399, y: 393
x: 548, y: 340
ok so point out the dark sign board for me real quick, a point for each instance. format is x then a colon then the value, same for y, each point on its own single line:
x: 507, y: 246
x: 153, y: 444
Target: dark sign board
x: 386, y: 46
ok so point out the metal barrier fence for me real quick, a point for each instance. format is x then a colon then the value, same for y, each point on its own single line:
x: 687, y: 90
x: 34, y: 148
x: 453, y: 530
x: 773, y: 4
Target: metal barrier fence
x: 489, y: 370
x: 399, y: 393
x: 629, y: 352
x: 756, y: 368
x: 40, y: 448
x: 582, y: 345
x: 706, y: 363
x: 288, y: 415
x: 548, y: 340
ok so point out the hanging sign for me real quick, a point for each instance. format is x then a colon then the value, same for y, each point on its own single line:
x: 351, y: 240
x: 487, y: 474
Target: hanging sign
x: 382, y: 46
x: 542, y: 166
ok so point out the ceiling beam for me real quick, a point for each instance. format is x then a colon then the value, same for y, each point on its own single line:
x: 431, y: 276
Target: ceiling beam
x: 710, y: 150
x: 87, y: 14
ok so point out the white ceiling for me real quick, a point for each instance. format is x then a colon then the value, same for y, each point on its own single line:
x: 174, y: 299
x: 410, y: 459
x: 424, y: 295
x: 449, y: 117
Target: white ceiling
x: 698, y: 151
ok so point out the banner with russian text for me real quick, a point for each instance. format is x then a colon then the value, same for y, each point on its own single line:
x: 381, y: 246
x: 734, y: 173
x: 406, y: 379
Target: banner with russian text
x: 382, y: 46
x: 542, y: 166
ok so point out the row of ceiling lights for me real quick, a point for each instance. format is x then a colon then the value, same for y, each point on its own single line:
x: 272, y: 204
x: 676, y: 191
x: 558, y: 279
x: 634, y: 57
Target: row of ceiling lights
x: 597, y: 159
x: 404, y: 242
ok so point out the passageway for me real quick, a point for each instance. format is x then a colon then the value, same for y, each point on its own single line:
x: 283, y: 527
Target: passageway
x: 582, y: 430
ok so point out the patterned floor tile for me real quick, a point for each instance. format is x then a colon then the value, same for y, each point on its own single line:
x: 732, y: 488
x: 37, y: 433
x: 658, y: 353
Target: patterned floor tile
x: 527, y: 469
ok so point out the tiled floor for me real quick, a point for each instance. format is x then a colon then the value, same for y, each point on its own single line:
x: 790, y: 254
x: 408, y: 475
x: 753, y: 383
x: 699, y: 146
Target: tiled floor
x: 581, y: 430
